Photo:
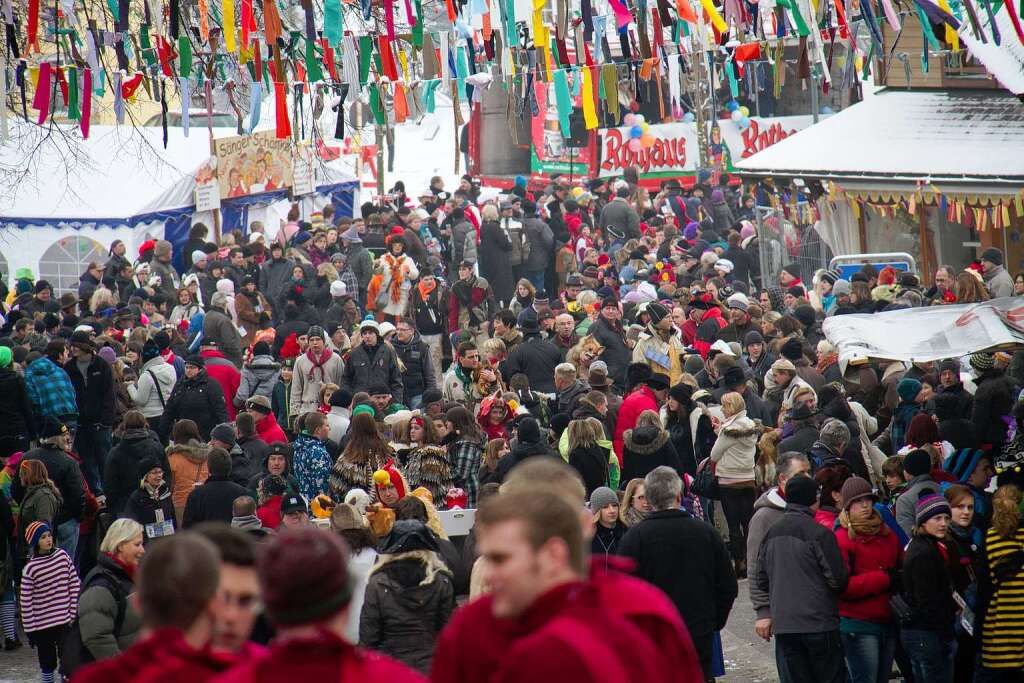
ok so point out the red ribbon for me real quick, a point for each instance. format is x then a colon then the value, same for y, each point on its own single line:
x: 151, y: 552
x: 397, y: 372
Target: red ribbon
x: 247, y: 21
x: 387, y: 59
x: 284, y: 125
x: 41, y: 101
x: 129, y: 87
x: 622, y: 15
x: 86, y: 102
x: 389, y: 19
x: 329, y: 59
x: 33, y: 25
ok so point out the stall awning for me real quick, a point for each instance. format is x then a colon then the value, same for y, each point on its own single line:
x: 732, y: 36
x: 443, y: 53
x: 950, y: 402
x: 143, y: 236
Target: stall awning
x: 961, y: 138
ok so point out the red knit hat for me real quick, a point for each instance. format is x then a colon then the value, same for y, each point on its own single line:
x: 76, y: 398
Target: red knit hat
x: 304, y: 576
x: 389, y: 475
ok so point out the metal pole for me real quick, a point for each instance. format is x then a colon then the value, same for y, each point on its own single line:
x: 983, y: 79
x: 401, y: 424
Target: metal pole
x: 815, y: 109
x: 379, y: 138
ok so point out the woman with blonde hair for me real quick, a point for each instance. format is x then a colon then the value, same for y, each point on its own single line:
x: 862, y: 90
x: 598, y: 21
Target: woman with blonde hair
x: 106, y: 617
x: 186, y: 307
x: 41, y: 502
x: 102, y: 299
x: 587, y: 455
x: 734, y: 453
x: 634, y: 505
x: 969, y: 288
x: 525, y: 295
x: 495, y: 450
x: 1002, y: 642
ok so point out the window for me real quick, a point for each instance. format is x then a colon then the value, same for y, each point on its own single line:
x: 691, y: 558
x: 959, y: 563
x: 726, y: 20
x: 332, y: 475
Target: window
x: 66, y: 259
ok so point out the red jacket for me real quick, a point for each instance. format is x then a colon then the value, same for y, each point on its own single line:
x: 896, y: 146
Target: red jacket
x: 868, y: 558
x: 640, y: 400
x: 161, y: 657
x: 477, y: 296
x: 268, y: 430
x: 218, y: 367
x: 325, y: 657
x: 475, y: 639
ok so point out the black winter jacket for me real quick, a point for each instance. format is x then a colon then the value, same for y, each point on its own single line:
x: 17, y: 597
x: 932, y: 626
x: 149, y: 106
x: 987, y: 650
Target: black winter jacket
x: 199, y: 399
x: 211, y: 502
x: 64, y: 473
x: 363, y: 370
x: 686, y: 558
x: 96, y: 398
x: 403, y: 612
x: 616, y: 355
x: 520, y: 452
x: 801, y: 569
x: 536, y: 358
x: 927, y: 584
x: 256, y: 450
x: 419, y: 374
x: 645, y: 448
x: 242, y: 467
x: 121, y: 471
x: 993, y: 399
x: 15, y: 407
x: 592, y: 464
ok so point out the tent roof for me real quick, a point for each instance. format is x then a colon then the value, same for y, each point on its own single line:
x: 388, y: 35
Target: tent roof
x: 969, y: 138
x: 120, y: 172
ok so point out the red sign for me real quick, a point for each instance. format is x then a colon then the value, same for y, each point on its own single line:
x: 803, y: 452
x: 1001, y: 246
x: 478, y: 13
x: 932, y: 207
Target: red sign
x: 756, y: 138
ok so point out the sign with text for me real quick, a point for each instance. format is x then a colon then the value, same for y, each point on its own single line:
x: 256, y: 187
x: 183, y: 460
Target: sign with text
x: 760, y: 134
x: 674, y: 151
x: 250, y: 164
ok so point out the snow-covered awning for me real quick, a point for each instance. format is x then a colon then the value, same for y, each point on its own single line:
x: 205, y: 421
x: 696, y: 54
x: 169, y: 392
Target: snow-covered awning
x: 960, y: 138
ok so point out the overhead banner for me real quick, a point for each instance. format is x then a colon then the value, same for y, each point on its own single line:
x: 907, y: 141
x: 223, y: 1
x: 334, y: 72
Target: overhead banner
x: 551, y: 152
x: 932, y: 333
x: 761, y: 134
x: 250, y: 164
x: 673, y: 153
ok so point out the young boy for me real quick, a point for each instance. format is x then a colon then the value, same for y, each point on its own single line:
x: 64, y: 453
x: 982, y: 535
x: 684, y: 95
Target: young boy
x: 895, y: 479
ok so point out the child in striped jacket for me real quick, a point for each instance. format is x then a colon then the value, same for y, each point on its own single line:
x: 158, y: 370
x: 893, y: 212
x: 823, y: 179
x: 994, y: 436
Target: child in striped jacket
x: 49, y: 596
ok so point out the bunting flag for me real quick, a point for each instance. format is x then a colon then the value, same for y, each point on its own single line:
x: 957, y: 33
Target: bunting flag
x: 228, y: 24
x: 41, y: 101
x: 86, y: 102
x: 283, y: 123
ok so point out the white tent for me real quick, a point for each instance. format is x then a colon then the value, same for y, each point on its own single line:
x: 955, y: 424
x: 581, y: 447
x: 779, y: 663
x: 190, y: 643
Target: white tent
x: 66, y: 199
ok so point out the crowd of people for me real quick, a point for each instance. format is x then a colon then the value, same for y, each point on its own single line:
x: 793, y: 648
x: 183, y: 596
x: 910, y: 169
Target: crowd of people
x: 631, y: 389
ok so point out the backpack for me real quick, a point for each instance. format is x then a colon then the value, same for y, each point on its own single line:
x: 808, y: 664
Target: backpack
x: 74, y: 654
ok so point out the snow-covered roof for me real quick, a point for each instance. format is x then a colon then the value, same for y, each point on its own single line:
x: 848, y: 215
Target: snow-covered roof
x: 957, y: 136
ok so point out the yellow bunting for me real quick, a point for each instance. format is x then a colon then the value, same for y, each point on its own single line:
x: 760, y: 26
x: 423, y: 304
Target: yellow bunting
x: 589, y: 111
x: 403, y: 59
x: 716, y: 18
x: 228, y: 15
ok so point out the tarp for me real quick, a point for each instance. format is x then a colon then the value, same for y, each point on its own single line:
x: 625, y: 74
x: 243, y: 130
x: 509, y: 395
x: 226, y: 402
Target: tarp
x: 927, y: 334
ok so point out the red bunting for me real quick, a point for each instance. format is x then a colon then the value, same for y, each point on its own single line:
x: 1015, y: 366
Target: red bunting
x: 387, y: 58
x: 86, y: 102
x: 33, y: 26
x: 284, y: 124
x: 41, y: 101
x: 129, y: 87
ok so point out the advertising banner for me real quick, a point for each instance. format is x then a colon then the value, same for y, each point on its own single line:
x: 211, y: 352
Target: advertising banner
x: 250, y: 164
x: 674, y: 151
x: 552, y: 153
x: 760, y: 134
x: 928, y: 334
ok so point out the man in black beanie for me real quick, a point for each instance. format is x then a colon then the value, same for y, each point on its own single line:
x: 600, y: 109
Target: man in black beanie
x: 804, y: 613
x: 793, y: 351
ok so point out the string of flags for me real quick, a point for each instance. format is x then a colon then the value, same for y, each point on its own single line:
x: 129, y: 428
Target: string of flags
x: 399, y: 54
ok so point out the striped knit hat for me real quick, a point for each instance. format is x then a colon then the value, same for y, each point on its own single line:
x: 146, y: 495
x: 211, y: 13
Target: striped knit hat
x: 962, y: 463
x: 929, y: 506
x: 34, y: 532
x: 982, y: 360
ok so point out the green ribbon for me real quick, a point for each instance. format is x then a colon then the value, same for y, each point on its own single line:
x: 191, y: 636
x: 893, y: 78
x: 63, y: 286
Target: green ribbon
x: 313, y: 71
x: 365, y: 54
x: 375, y: 105
x: 417, y: 29
x: 563, y: 101
x: 801, y: 25
x: 147, y: 47
x: 74, y: 113
x: 184, y: 56
x: 429, y: 100
x: 461, y: 71
x: 332, y: 22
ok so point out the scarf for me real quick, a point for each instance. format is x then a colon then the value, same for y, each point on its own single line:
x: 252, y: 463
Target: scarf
x: 318, y: 363
x: 394, y: 264
x: 632, y: 516
x: 525, y: 301
x: 424, y: 289
x: 868, y: 524
x: 825, y: 361
x: 905, y: 412
x: 128, y: 569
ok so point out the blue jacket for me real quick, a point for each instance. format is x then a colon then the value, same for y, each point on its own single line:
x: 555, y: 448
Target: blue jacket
x: 50, y: 390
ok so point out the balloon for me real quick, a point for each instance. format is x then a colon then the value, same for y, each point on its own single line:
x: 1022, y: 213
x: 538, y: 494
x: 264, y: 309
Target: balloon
x: 745, y: 111
x: 634, y: 145
x: 732, y: 105
x: 744, y: 123
x: 688, y: 117
x: 647, y: 141
x: 636, y: 131
x: 639, y: 118
x: 736, y: 116
x: 629, y: 120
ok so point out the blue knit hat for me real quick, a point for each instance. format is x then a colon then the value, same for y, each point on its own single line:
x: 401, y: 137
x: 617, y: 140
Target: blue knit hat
x: 908, y: 389
x: 962, y: 463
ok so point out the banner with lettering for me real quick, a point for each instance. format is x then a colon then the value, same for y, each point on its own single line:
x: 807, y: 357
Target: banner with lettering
x: 551, y: 152
x: 760, y: 134
x: 673, y: 153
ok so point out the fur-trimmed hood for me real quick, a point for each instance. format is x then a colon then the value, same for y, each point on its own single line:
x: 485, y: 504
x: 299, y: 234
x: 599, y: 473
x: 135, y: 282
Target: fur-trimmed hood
x: 739, y: 426
x: 430, y: 561
x: 193, y: 450
x: 644, y: 440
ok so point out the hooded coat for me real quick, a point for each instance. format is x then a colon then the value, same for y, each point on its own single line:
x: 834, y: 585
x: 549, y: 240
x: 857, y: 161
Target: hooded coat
x: 645, y: 448
x: 188, y: 470
x: 120, y: 472
x: 155, y: 386
x: 409, y: 599
x: 736, y: 448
